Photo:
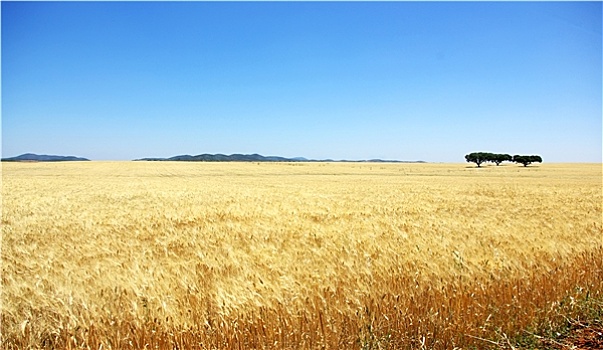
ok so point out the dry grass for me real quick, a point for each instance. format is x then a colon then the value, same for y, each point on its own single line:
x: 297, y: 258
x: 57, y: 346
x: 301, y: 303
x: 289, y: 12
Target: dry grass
x: 295, y: 255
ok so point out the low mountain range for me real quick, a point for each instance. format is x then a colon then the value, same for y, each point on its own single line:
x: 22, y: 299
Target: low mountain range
x: 259, y: 158
x: 30, y: 157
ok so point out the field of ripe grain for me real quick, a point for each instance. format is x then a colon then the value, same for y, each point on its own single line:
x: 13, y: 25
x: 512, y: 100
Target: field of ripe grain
x: 181, y: 255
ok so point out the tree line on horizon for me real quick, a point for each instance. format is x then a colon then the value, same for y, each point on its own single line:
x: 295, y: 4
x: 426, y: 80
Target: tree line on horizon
x: 497, y: 158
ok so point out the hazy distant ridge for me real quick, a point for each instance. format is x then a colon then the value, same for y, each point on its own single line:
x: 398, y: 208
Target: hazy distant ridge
x: 259, y: 158
x: 31, y: 157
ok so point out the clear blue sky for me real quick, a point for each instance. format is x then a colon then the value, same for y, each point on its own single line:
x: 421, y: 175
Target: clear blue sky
x: 342, y: 80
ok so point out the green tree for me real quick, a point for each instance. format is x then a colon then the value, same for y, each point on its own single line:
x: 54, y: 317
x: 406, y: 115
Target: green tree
x: 479, y: 158
x: 499, y: 158
x: 527, y: 160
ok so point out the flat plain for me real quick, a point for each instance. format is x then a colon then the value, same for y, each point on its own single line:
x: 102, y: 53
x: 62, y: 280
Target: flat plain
x: 296, y: 255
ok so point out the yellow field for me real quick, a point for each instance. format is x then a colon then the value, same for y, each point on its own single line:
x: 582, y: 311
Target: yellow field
x: 295, y: 255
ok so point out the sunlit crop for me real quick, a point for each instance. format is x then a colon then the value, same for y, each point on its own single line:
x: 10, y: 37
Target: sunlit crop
x: 294, y: 255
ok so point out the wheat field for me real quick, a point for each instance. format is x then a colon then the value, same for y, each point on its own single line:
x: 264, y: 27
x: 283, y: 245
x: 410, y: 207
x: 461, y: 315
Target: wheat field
x: 176, y: 255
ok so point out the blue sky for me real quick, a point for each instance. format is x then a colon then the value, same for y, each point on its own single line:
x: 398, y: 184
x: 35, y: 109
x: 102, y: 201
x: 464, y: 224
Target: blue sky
x: 343, y: 80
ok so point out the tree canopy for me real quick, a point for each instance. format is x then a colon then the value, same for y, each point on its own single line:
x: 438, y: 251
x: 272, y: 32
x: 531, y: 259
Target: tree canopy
x: 527, y: 160
x: 497, y: 158
x: 478, y: 158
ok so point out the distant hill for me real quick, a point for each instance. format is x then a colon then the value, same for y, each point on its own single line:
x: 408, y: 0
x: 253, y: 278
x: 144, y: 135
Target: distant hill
x: 258, y: 158
x: 223, y: 158
x: 30, y: 157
